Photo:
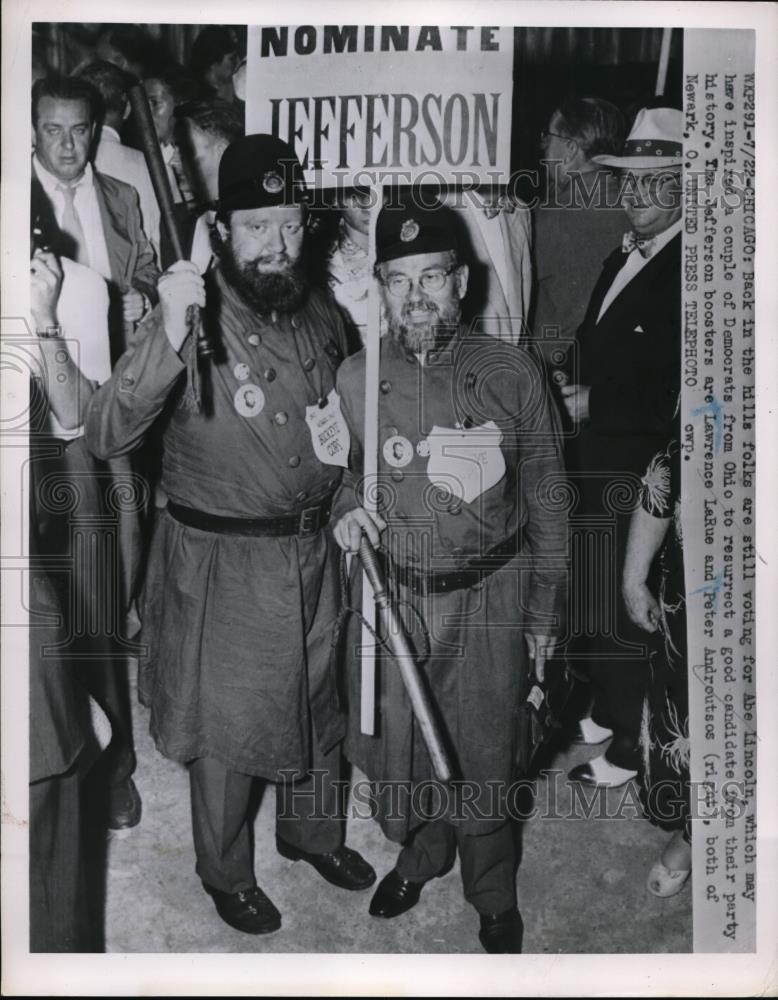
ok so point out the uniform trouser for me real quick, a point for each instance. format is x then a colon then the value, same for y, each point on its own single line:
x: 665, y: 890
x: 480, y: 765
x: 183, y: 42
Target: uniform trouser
x: 487, y: 862
x: 309, y: 816
x: 59, y: 917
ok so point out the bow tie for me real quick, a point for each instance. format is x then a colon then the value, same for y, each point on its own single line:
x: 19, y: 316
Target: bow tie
x: 644, y: 246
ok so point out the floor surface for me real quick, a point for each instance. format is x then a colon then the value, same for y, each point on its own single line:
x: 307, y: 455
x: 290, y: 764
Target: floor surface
x: 581, y: 881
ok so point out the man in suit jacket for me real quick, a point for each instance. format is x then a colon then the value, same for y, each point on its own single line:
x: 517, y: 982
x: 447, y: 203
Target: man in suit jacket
x: 95, y: 220
x: 623, y: 400
x: 579, y: 221
x: 97, y: 217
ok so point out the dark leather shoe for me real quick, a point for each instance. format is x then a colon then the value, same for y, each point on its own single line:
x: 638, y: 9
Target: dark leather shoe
x: 395, y: 895
x: 502, y: 933
x: 249, y: 911
x: 124, y: 805
x: 585, y: 775
x: 344, y: 868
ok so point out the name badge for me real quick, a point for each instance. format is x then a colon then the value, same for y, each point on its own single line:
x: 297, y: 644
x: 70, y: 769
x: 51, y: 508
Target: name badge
x: 467, y: 463
x: 330, y: 435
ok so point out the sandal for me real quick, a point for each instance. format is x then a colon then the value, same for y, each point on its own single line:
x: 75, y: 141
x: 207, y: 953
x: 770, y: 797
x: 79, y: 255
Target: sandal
x: 664, y: 882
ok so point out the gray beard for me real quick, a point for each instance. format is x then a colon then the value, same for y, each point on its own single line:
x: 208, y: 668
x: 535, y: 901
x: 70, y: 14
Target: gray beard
x: 420, y: 339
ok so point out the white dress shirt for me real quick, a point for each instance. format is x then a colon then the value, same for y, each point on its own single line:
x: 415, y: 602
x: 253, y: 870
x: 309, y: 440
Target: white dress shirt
x: 202, y: 252
x: 88, y: 209
x: 168, y: 152
x: 129, y: 165
x: 635, y: 263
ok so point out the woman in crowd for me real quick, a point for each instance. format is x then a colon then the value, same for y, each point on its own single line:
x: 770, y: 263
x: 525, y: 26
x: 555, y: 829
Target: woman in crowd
x: 664, y: 739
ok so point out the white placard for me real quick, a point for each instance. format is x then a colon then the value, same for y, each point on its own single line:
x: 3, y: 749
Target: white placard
x: 363, y: 103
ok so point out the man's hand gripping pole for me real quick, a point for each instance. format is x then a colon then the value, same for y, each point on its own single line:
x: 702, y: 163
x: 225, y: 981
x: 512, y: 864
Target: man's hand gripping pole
x: 401, y: 651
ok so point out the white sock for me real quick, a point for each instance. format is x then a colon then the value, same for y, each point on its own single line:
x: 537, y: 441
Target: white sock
x: 592, y: 733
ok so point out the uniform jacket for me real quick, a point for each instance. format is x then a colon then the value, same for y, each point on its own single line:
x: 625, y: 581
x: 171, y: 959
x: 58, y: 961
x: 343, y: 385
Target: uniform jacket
x: 631, y: 360
x: 238, y: 628
x: 461, y: 398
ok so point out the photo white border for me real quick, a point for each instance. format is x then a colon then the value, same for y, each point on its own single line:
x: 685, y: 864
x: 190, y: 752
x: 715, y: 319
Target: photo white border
x: 375, y: 975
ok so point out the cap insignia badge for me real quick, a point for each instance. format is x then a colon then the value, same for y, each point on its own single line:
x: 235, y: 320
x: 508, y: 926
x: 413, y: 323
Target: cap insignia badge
x: 272, y: 182
x: 409, y: 230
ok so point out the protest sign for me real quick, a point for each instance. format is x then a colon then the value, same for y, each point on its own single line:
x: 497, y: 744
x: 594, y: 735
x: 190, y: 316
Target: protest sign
x: 374, y: 102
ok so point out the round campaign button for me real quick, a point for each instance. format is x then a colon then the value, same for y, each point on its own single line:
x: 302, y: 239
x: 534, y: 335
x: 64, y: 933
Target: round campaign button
x: 398, y: 451
x: 241, y: 371
x: 249, y: 400
x: 423, y: 448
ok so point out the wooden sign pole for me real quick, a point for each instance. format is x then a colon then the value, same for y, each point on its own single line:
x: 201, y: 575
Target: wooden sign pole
x: 372, y: 367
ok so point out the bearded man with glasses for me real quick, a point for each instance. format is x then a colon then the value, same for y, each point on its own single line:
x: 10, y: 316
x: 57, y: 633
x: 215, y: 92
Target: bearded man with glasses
x: 467, y: 463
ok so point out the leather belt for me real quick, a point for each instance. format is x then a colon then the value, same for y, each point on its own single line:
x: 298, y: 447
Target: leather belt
x: 468, y: 576
x: 304, y: 523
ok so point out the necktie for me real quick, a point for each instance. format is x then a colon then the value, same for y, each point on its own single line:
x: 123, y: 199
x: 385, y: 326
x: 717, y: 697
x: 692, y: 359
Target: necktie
x: 632, y: 241
x: 71, y: 225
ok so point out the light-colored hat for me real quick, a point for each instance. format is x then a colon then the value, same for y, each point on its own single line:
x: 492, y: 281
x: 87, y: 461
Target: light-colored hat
x: 656, y: 140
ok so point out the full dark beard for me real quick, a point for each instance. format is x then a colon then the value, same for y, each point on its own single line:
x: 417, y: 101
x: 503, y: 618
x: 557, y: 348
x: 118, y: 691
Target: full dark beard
x: 421, y: 338
x: 280, y: 291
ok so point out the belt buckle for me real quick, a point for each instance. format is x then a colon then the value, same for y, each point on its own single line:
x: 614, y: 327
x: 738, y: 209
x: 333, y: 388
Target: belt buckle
x: 310, y: 521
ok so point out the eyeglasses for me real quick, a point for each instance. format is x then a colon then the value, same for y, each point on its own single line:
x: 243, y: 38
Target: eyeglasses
x: 431, y: 281
x: 546, y: 133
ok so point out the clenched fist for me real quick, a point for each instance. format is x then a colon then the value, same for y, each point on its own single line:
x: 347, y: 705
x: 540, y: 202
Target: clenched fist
x: 179, y: 287
x: 45, y: 285
x: 133, y: 305
x: 576, y: 400
x: 348, y: 531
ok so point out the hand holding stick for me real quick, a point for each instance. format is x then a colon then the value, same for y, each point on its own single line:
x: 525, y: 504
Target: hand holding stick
x: 161, y: 183
x: 409, y: 671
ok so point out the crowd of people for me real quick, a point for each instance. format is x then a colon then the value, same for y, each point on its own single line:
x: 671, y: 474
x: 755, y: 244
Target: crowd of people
x: 210, y: 499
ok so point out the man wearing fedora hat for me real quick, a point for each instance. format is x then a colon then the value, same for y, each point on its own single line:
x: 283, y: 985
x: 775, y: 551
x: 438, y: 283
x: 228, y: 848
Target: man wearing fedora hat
x: 474, y: 543
x: 241, y: 587
x: 623, y: 399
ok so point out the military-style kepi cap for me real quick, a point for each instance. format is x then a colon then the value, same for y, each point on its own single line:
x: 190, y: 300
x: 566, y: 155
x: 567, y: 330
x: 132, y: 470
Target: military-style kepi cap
x: 410, y: 228
x: 260, y: 171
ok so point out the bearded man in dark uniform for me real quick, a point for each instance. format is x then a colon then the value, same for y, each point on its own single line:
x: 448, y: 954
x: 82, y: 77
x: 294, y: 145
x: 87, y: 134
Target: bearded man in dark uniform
x: 473, y: 541
x: 241, y: 587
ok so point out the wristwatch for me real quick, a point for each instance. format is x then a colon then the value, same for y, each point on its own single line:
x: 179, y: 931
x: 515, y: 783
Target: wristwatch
x: 50, y: 332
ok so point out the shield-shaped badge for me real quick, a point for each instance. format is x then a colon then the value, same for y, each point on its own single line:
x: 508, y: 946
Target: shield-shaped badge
x: 468, y: 462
